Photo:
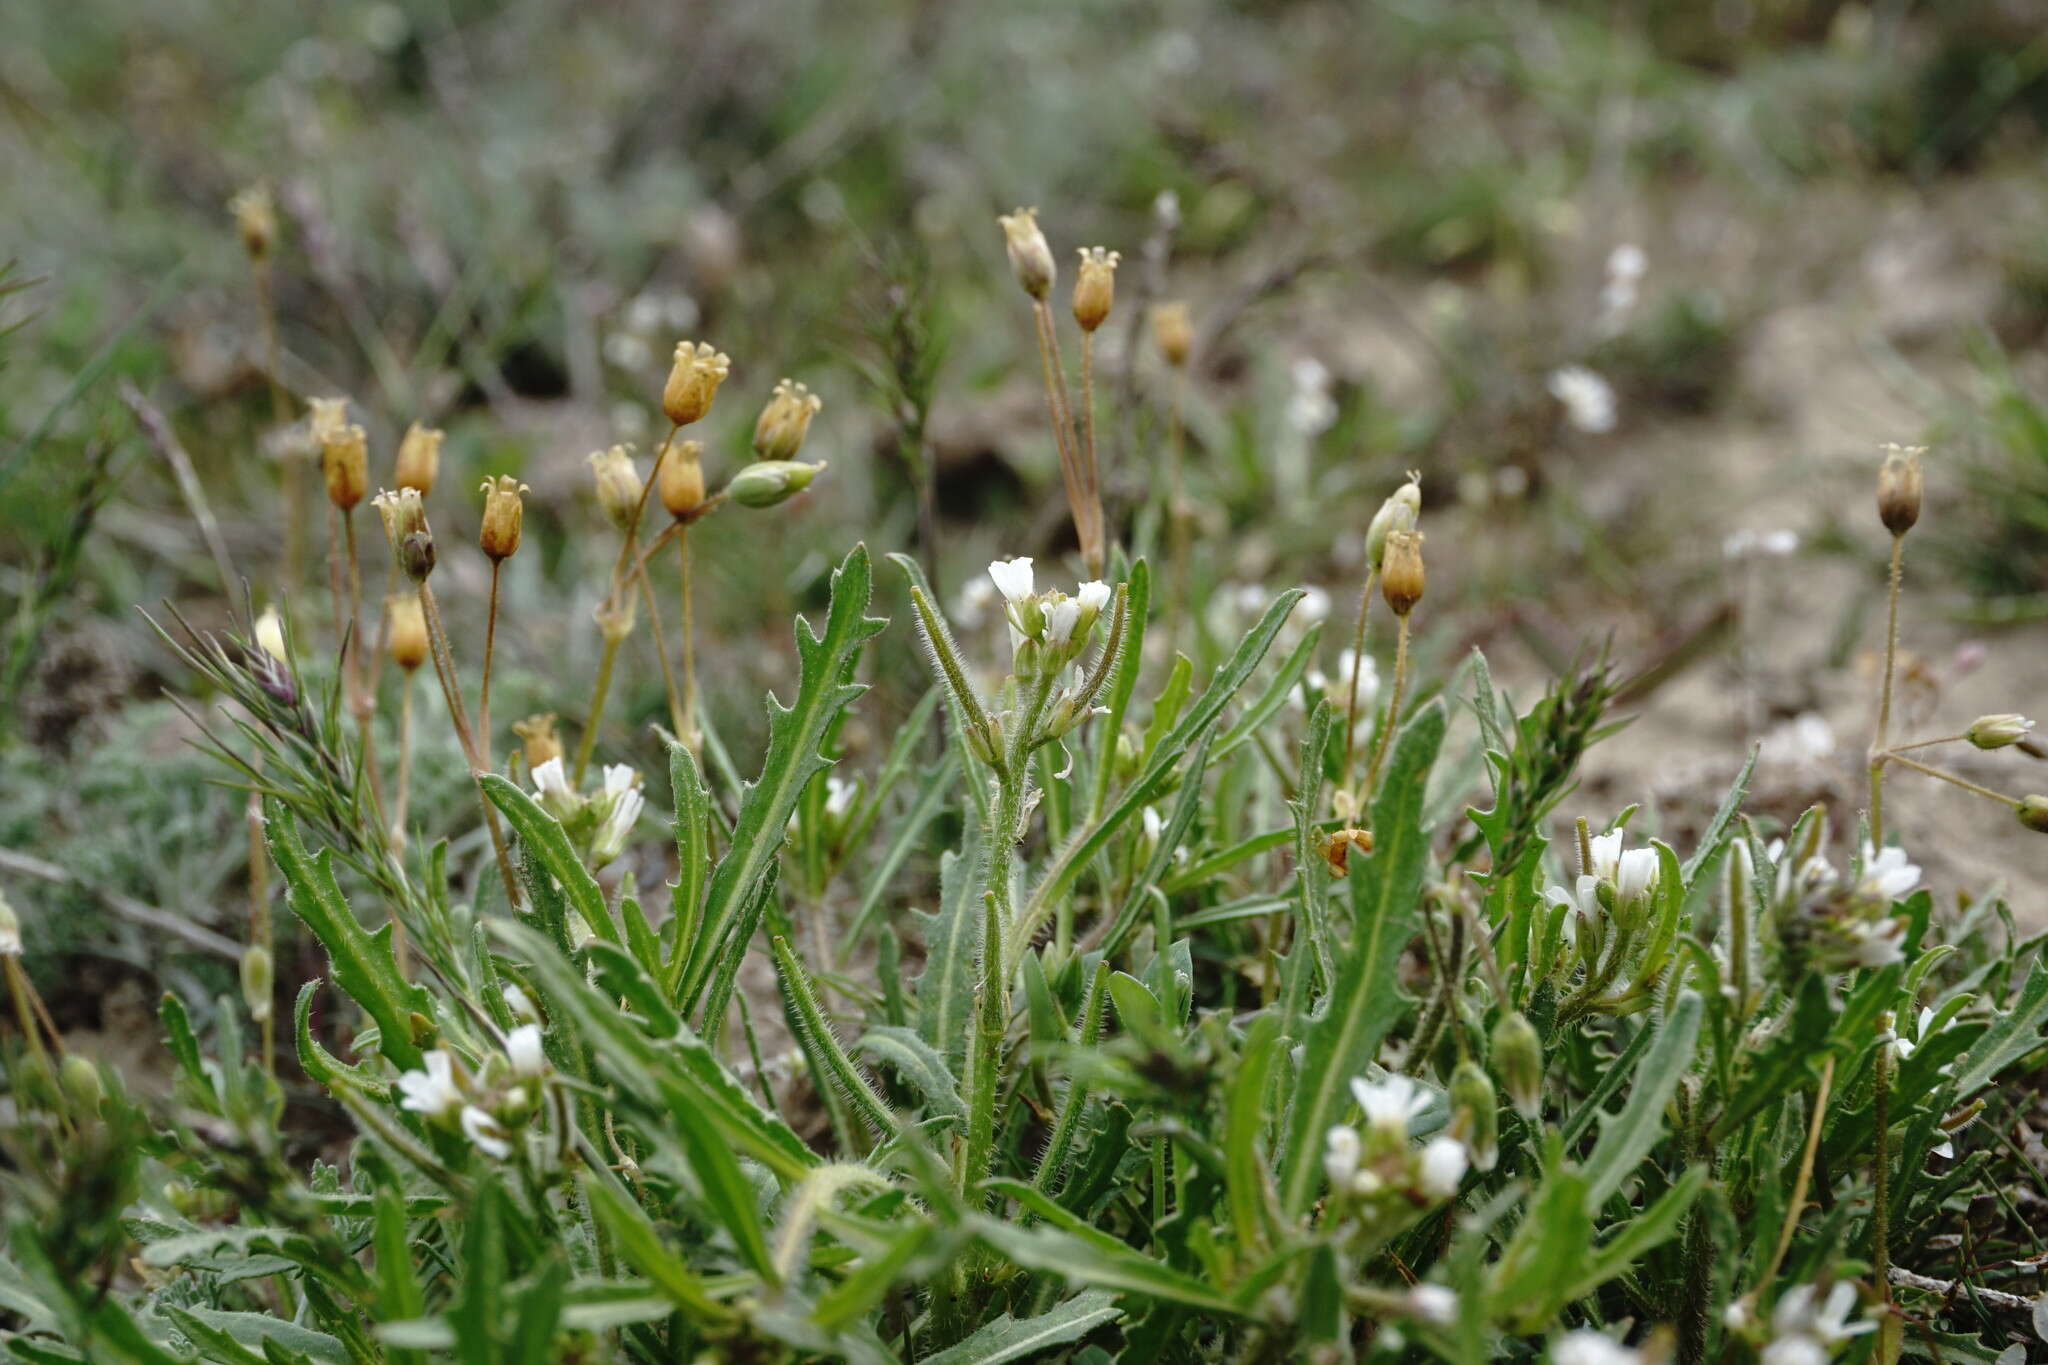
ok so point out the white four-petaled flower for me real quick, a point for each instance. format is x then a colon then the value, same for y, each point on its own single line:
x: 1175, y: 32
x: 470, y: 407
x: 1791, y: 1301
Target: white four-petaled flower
x: 1887, y: 876
x: 432, y: 1092
x: 1584, y: 1347
x: 1441, y: 1167
x: 486, y: 1132
x: 1092, y: 595
x: 1012, y: 577
x: 1391, y: 1103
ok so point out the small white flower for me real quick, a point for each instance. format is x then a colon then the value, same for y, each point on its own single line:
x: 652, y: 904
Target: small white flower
x: 1588, y: 399
x: 523, y: 1050
x: 1390, y: 1104
x: 10, y: 929
x: 970, y: 609
x: 1340, y: 1155
x: 1875, y: 942
x: 551, y: 783
x: 1442, y: 1166
x: 1062, y: 614
x: 1012, y: 578
x: 1800, y: 1350
x: 486, y: 1132
x: 610, y: 840
x: 1887, y: 876
x: 1093, y: 595
x: 839, y: 795
x: 618, y: 778
x: 521, y: 1005
x: 1804, y: 1333
x: 1592, y: 1348
x: 1434, y: 1304
x: 1633, y: 871
x: 1153, y: 825
x: 432, y: 1092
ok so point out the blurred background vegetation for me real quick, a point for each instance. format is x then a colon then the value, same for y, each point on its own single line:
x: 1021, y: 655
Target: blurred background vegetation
x: 1395, y: 224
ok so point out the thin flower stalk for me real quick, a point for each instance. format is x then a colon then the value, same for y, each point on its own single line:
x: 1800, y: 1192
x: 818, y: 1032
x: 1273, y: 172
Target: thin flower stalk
x: 1358, y: 631
x: 1884, y: 699
x: 621, y: 583
x: 451, y: 691
x: 1894, y: 756
x: 1393, y: 715
x: 483, y: 699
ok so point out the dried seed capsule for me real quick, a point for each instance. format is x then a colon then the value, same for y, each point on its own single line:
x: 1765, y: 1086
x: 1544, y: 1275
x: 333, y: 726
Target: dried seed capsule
x: 504, y: 513
x: 1095, y: 287
x: 682, y: 480
x: 771, y: 481
x: 1995, y: 732
x: 419, y: 458
x: 693, y: 381
x: 1173, y: 333
x: 1030, y: 258
x: 408, y: 630
x: 1401, y: 571
x: 537, y: 735
x: 255, y: 221
x: 2033, y: 813
x: 1898, y: 488
x: 345, y: 465
x: 405, y: 526
x: 618, y: 485
x: 785, y: 421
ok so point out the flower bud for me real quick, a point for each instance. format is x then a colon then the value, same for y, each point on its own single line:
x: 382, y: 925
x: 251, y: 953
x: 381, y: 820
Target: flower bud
x: 693, y: 382
x: 618, y: 485
x: 537, y: 735
x: 10, y: 929
x: 504, y: 514
x: 81, y: 1081
x: 1995, y: 732
x: 1518, y: 1063
x: 406, y: 528
x: 270, y: 634
x: 1173, y: 333
x: 407, y: 630
x: 1401, y: 571
x: 255, y: 221
x: 1475, y: 1114
x: 1397, y: 513
x: 1030, y: 257
x: 1095, y: 287
x: 1898, y: 488
x: 419, y: 458
x: 682, y: 480
x: 345, y: 464
x: 2033, y: 813
x: 256, y: 981
x: 784, y: 422
x: 771, y: 481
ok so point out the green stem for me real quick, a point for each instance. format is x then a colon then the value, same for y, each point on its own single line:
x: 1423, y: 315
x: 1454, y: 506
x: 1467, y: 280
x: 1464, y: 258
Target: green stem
x: 1948, y: 777
x: 1379, y: 741
x: 597, y: 695
x: 1884, y: 698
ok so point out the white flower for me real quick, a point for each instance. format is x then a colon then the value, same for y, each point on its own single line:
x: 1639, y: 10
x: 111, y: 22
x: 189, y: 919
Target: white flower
x: 1153, y: 825
x: 1012, y: 578
x: 1887, y: 876
x: 626, y: 804
x: 1627, y: 262
x: 1592, y: 1348
x: 486, y: 1132
x: 1588, y: 399
x: 1092, y: 595
x: 523, y: 1050
x: 618, y: 778
x: 1801, y: 1350
x: 10, y: 929
x: 1340, y: 1156
x: 521, y: 1005
x: 432, y: 1092
x: 1062, y: 614
x: 1433, y: 1304
x: 970, y: 609
x: 1442, y: 1166
x: 1804, y: 1334
x: 1875, y: 942
x: 1390, y: 1104
x: 551, y: 784
x: 1633, y: 871
x: 839, y: 795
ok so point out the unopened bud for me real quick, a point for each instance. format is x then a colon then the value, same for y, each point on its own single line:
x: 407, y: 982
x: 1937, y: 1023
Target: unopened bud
x: 406, y: 528
x: 2033, y: 813
x: 257, y: 981
x: 1518, y: 1063
x: 1173, y: 333
x: 504, y: 514
x: 537, y: 735
x: 407, y: 630
x: 618, y: 485
x: 693, y: 381
x: 682, y: 480
x: 1095, y: 287
x: 270, y: 634
x: 1401, y: 571
x: 419, y: 458
x: 771, y: 481
x: 255, y: 221
x: 1397, y: 513
x: 1995, y: 732
x: 81, y: 1081
x: 1898, y: 488
x: 785, y: 421
x: 1475, y: 1114
x: 1030, y: 258
x: 345, y: 465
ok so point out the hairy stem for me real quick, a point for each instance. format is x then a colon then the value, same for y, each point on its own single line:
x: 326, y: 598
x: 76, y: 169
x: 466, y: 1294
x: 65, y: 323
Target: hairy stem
x: 1884, y: 696
x: 688, y: 733
x: 1379, y: 741
x: 1357, y: 667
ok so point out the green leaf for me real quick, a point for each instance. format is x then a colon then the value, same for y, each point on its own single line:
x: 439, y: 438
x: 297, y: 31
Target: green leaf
x: 814, y: 1033
x: 639, y: 1244
x: 1364, y: 1001
x: 1626, y: 1138
x: 1648, y: 1230
x: 2015, y: 1032
x: 1249, y: 1190
x: 693, y: 856
x: 917, y: 1063
x: 1008, y: 1338
x: 361, y: 961
x: 952, y: 939
x: 909, y: 831
x: 794, y: 734
x: 258, y: 1329
x: 1065, y: 1246
x: 548, y: 846
x: 1786, y: 1062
